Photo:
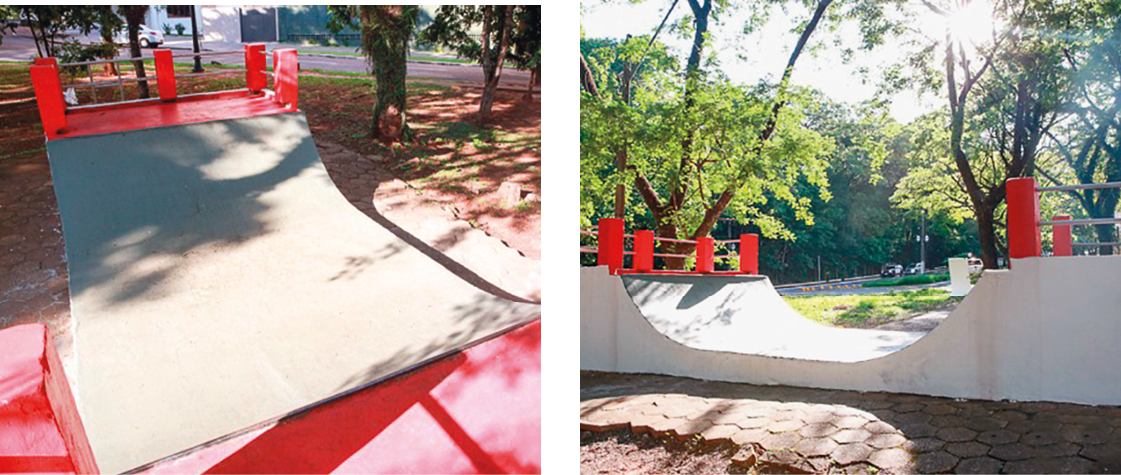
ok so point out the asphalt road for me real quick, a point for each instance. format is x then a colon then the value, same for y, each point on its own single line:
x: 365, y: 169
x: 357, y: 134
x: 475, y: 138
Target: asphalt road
x: 856, y: 288
x: 22, y: 48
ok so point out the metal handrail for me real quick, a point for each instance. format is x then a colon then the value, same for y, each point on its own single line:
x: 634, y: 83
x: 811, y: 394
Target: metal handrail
x: 1080, y: 222
x: 1095, y: 244
x: 686, y: 241
x: 672, y: 255
x: 589, y: 250
x: 206, y: 53
x: 97, y: 84
x: 102, y: 61
x: 211, y: 73
x: 1088, y: 186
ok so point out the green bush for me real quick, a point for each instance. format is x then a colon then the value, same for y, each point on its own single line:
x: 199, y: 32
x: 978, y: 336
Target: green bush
x: 910, y: 280
x: 180, y: 29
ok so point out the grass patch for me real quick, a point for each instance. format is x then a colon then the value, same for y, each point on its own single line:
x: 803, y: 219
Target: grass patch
x: 866, y: 311
x: 910, y: 280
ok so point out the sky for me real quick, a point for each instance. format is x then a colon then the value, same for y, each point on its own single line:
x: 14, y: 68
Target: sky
x: 766, y: 51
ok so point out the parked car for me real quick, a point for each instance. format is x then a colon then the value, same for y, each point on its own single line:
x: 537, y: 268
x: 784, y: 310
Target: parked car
x: 148, y: 37
x: 915, y: 269
x: 892, y: 270
x: 974, y: 265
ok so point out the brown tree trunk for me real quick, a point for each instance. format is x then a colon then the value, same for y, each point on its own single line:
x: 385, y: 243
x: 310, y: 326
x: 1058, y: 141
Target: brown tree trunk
x: 987, y: 232
x: 493, y: 71
x: 386, y: 30
x: 134, y: 16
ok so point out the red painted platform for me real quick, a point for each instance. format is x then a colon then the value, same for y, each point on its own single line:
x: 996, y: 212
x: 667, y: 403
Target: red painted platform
x: 153, y: 113
x: 477, y: 411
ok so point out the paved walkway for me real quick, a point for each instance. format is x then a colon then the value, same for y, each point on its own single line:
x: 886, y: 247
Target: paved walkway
x: 815, y: 430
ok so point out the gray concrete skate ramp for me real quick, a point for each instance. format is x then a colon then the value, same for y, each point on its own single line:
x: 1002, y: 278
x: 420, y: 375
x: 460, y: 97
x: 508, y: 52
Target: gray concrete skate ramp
x: 1045, y: 331
x: 219, y: 279
x: 744, y: 314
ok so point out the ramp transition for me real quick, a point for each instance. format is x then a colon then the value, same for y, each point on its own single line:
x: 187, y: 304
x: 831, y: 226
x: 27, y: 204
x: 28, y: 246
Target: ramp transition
x: 219, y: 279
x: 1044, y: 331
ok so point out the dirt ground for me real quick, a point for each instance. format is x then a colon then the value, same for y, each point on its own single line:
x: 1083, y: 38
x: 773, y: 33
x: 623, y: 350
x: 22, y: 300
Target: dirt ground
x: 624, y: 452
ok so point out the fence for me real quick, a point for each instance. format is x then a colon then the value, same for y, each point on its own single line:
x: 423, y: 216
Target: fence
x: 1024, y: 236
x: 611, y: 249
x: 47, y: 82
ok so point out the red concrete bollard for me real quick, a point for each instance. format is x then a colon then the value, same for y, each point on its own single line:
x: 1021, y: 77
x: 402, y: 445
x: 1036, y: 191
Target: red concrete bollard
x: 40, y: 429
x: 749, y: 253
x: 165, y: 75
x: 610, y: 243
x: 48, y: 61
x: 286, y: 68
x: 1060, y: 237
x: 255, y: 63
x: 644, y: 251
x: 705, y: 250
x: 1023, y: 218
x: 48, y: 94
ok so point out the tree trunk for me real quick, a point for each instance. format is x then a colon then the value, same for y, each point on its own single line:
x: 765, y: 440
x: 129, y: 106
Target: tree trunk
x: 134, y: 16
x: 195, y: 40
x: 987, y: 232
x: 386, y: 30
x: 493, y: 71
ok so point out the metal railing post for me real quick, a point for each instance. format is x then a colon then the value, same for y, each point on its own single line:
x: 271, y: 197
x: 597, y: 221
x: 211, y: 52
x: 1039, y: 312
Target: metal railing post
x: 1060, y: 237
x: 610, y: 244
x: 48, y: 95
x: 644, y: 251
x: 1023, y: 218
x: 705, y: 250
x: 165, y: 74
x: 749, y: 253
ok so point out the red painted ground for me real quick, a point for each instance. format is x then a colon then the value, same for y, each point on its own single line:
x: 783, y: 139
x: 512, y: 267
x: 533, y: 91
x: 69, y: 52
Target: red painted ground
x: 40, y: 430
x: 478, y: 411
x: 186, y: 110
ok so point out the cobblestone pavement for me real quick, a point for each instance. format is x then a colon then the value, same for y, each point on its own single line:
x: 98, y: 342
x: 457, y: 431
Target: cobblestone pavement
x: 818, y: 430
x: 33, y: 280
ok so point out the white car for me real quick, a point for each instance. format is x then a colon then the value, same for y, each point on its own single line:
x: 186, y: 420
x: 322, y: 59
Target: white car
x: 148, y: 37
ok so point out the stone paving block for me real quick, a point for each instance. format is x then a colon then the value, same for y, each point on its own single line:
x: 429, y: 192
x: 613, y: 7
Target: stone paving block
x: 998, y: 437
x: 752, y: 422
x: 956, y: 434
x: 967, y: 449
x: 940, y: 410
x: 924, y: 444
x: 879, y: 427
x: 948, y: 421
x: 691, y: 428
x: 979, y: 465
x: 719, y: 433
x: 1036, y: 439
x: 1012, y: 452
x: 1061, y: 449
x: 985, y: 423
x: 918, y: 430
x: 851, y: 435
x: 885, y: 441
x: 1010, y: 415
x: 851, y: 453
x: 785, y: 425
x: 913, y: 418
x: 1054, y: 465
x: 1037, y: 425
x: 815, y: 446
x: 782, y: 440
x: 1086, y: 434
x: 749, y: 436
x: 849, y: 422
x: 890, y: 459
x: 818, y: 430
x: 1110, y: 452
x: 935, y: 462
x: 906, y: 407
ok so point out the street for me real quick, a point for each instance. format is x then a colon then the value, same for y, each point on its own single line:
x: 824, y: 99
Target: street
x: 20, y: 47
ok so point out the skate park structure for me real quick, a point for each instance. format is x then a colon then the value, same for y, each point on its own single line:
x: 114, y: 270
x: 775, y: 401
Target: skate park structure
x: 1043, y: 330
x: 234, y: 312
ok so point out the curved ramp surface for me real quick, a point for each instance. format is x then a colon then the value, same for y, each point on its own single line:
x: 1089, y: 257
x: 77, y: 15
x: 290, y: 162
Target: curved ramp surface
x: 219, y: 279
x: 744, y: 314
x: 1047, y: 330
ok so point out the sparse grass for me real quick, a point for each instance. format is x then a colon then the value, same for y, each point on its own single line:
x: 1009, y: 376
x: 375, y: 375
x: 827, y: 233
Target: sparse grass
x: 866, y: 311
x: 910, y: 280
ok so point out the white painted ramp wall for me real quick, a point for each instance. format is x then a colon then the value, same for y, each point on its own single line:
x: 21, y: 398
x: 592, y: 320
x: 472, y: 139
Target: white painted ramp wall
x: 1048, y: 330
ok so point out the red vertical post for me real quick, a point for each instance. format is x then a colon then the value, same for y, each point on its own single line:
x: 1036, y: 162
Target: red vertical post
x: 286, y: 67
x: 48, y: 61
x: 749, y: 253
x: 1023, y: 218
x: 48, y: 94
x: 1060, y: 237
x: 644, y: 251
x: 705, y: 250
x: 610, y: 243
x: 165, y: 75
x: 255, y: 60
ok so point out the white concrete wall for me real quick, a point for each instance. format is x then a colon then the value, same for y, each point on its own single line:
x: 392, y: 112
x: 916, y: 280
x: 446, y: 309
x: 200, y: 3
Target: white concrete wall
x: 1047, y: 330
x: 220, y: 23
x: 157, y: 18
